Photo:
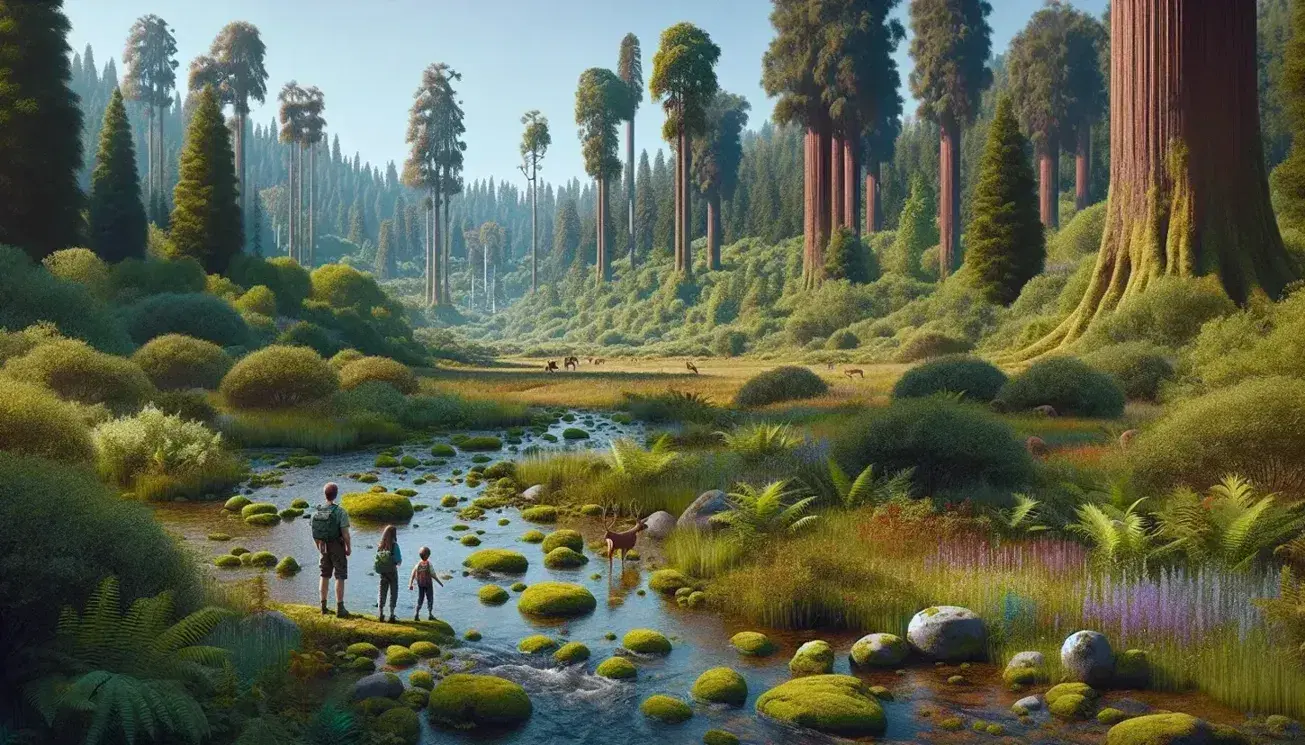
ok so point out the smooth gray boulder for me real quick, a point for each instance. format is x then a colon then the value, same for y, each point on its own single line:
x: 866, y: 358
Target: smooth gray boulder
x: 660, y: 525
x: 948, y: 633
x: 1086, y: 657
x: 378, y: 685
x: 698, y: 515
x: 880, y: 650
x: 532, y: 494
x: 1029, y: 703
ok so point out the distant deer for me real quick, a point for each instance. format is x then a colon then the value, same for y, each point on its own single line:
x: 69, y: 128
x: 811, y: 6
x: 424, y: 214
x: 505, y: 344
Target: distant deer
x: 855, y: 372
x: 571, y: 363
x: 599, y: 360
x: 623, y: 541
x: 688, y: 365
x: 551, y: 366
x: 831, y: 366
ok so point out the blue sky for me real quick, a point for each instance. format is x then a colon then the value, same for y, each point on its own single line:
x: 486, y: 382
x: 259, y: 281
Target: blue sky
x: 367, y: 57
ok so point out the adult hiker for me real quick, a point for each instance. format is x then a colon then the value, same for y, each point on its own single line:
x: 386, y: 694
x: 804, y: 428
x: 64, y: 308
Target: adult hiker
x: 330, y: 524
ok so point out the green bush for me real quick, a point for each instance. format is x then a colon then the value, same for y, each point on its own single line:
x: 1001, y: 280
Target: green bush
x: 780, y: 384
x: 344, y: 357
x: 31, y: 295
x: 1262, y: 340
x: 258, y: 299
x: 977, y: 379
x: 1170, y: 313
x: 951, y: 446
x: 161, y: 456
x: 277, y: 377
x: 201, y: 316
x: 1255, y: 428
x: 76, y: 372
x: 56, y: 518
x: 1066, y: 384
x: 381, y: 507
x: 1138, y: 366
x: 177, y: 362
x: 192, y: 405
x: 316, y: 338
x: 134, y: 279
x: 342, y: 286
x: 1080, y: 237
x: 929, y: 344
x: 82, y: 266
x: 846, y: 257
x: 34, y: 422
x: 288, y: 281
x: 382, y: 369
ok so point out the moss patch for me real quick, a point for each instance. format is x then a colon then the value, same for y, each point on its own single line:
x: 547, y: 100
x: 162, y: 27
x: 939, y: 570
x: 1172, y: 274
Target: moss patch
x: 563, y: 557
x: 667, y: 581
x: 377, y: 507
x: 719, y: 737
x: 571, y: 652
x: 753, y: 644
x: 400, y: 723
x: 556, y: 599
x: 533, y: 536
x: 720, y: 685
x: 425, y: 649
x: 813, y: 658
x: 543, y: 514
x: 536, y: 644
x: 422, y: 679
x: 666, y: 709
x: 363, y: 649
x: 321, y: 632
x: 565, y: 537
x: 492, y: 594
x: 399, y: 656
x: 616, y: 668
x: 464, y: 701
x: 646, y: 641
x: 834, y: 704
x: 497, y: 560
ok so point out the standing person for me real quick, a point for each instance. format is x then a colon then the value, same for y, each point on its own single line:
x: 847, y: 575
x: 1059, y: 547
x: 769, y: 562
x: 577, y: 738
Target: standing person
x: 330, y: 524
x: 388, y: 559
x: 424, y: 575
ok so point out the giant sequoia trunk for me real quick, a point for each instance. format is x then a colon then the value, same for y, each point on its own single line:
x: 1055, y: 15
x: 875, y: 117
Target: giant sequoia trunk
x: 1188, y: 189
x: 874, y: 212
x: 534, y: 234
x: 818, y: 208
x: 836, y: 178
x: 1049, y: 181
x: 949, y: 195
x: 240, y: 170
x: 312, y: 204
x: 1082, y: 165
x: 629, y: 184
x: 683, y: 228
x: 713, y: 229
x: 443, y: 293
x: 851, y: 178
x: 600, y: 218
x: 290, y: 207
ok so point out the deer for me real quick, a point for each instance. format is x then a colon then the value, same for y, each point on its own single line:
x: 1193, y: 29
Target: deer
x: 551, y: 366
x: 571, y: 363
x: 623, y: 541
x: 688, y: 365
x: 855, y: 371
x: 599, y: 360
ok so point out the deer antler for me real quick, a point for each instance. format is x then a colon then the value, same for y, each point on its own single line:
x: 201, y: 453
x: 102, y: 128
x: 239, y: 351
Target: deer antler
x: 606, y: 525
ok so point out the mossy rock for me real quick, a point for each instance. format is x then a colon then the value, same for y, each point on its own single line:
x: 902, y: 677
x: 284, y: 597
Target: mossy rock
x: 262, y: 559
x: 238, y: 551
x: 591, y: 510
x: 1111, y: 716
x: 564, y: 558
x: 448, y: 500
x: 666, y: 709
x: 881, y: 693
x: 667, y: 581
x: 834, y: 704
x: 544, y: 514
x: 263, y: 520
x: 616, y: 668
x: 720, y: 685
x: 362, y: 665
x: 472, y: 635
x: 646, y: 641
x: 556, y: 599
x: 518, y: 587
x: 536, y: 644
x: 227, y: 561
x: 492, y: 594
x: 339, y: 632
x: 219, y: 537
x: 300, y: 504
x: 416, y: 698
x: 813, y: 658
x: 952, y: 724
x: 409, y: 461
x: 443, y: 450
x: 500, y: 560
x: 425, y: 649
x: 1171, y: 729
x: 504, y: 521
x: 752, y: 644
x: 376, y: 705
x: 565, y: 537
x: 533, y: 536
x: 470, y: 512
x: 1069, y: 689
x: 1071, y: 706
x: 1132, y: 669
x: 470, y: 540
x: 459, y: 528
x: 571, y: 652
x: 719, y: 737
x: 378, y: 507
x: 879, y: 650
x: 399, y: 656
x: 288, y: 567
x: 422, y: 679
x: 464, y: 701
x: 406, y: 492
x: 363, y: 649
x: 237, y: 503
x: 695, y: 599
x: 290, y: 513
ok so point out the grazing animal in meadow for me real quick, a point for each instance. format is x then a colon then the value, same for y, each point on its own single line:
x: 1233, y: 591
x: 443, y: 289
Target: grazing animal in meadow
x: 551, y: 366
x: 1037, y: 447
x: 1126, y: 439
x: 855, y: 372
x: 622, y: 541
x: 571, y: 363
x: 688, y: 365
x: 1045, y: 410
x: 599, y: 360
x: 831, y: 366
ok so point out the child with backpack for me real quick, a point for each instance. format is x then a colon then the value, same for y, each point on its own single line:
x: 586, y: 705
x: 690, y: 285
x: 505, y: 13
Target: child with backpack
x: 423, y: 574
x: 388, y: 559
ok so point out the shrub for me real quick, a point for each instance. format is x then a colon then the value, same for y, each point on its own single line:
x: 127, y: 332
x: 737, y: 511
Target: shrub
x: 1080, y: 237
x: 82, y: 266
x: 949, y: 445
x: 381, y: 507
x: 159, y: 456
x: 55, y: 517
x: 1066, y: 384
x: 288, y: 281
x: 32, y: 295
x: 780, y: 384
x: 382, y: 369
x: 847, y: 258
x: 76, y: 372
x: 177, y: 362
x: 316, y: 338
x: 977, y: 379
x: 1139, y: 367
x: 342, y: 286
x: 842, y: 340
x: 1170, y: 313
x: 1255, y: 428
x: 201, y: 316
x: 258, y: 299
x: 344, y: 357
x: 277, y: 377
x: 34, y: 422
x: 192, y: 405
x: 134, y: 279
x: 928, y: 344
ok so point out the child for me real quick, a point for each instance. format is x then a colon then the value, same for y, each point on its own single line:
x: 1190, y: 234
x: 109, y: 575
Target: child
x: 388, y: 559
x: 423, y: 574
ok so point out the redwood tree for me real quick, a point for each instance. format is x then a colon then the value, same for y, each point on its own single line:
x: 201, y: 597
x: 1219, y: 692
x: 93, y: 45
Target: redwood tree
x: 630, y: 68
x: 602, y: 101
x: 1188, y: 190
x: 950, y: 45
x: 716, y: 156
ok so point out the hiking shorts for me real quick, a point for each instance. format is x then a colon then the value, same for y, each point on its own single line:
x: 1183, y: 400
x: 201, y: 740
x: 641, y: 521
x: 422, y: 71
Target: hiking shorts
x: 334, y: 561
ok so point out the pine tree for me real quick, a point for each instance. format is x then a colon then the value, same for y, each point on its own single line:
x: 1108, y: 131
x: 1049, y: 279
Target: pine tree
x: 645, y: 207
x: 385, y: 251
x: 917, y: 231
x: 256, y: 224
x: 1005, y: 243
x: 1289, y: 176
x: 356, y: 227
x: 848, y: 258
x: 566, y: 236
x: 206, y: 222
x: 41, y: 145
x: 117, y: 217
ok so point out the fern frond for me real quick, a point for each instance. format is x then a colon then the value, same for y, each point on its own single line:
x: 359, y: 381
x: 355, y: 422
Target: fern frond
x: 837, y: 476
x: 333, y: 726
x: 862, y: 490
x: 189, y: 631
x: 1238, y: 538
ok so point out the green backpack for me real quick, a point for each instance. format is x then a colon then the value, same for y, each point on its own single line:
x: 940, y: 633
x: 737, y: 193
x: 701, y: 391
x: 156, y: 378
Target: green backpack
x: 326, y: 523
x: 384, y: 561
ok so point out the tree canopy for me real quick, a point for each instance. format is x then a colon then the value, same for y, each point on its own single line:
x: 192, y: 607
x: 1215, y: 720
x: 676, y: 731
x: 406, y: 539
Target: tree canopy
x: 117, y: 215
x: 950, y: 44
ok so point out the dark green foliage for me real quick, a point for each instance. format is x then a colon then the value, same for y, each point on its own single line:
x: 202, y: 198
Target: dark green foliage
x: 41, y: 150
x: 1274, y: 28
x: 195, y: 314
x: 566, y: 236
x: 134, y: 279
x: 287, y: 280
x: 385, y: 252
x: 31, y: 295
x: 316, y: 338
x: 1066, y: 384
x: 206, y: 219
x: 1080, y: 237
x: 1005, y: 246
x: 33, y: 421
x: 1170, y: 313
x: 671, y: 406
x: 951, y: 42
x: 847, y: 257
x: 950, y: 446
x: 780, y: 384
x: 178, y: 362
x: 187, y: 404
x: 278, y: 377
x: 917, y: 231
x: 76, y: 372
x: 1289, y: 177
x: 1139, y: 367
x: 342, y: 286
x: 1055, y: 74
x: 928, y: 344
x: 977, y: 379
x: 117, y: 216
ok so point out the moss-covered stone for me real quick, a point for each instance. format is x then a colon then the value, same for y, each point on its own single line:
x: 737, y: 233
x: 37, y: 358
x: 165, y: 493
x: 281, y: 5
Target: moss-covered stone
x: 257, y: 508
x: 1110, y: 715
x: 300, y: 504
x: 400, y: 723
x: 227, y: 561
x: 416, y: 698
x: 720, y: 685
x: 1071, y: 706
x: 565, y: 537
x: 464, y: 701
x: 533, y: 536
x: 287, y: 567
x: 591, y: 510
x: 518, y: 587
x: 262, y: 559
x: 425, y: 649
x: 263, y: 520
x: 328, y: 632
x: 422, y: 679
x: 492, y: 595
x: 500, y: 560
x: 834, y: 704
x: 544, y: 514
x: 443, y: 450
x: 379, y: 507
x: 556, y: 599
x: 470, y: 540
x: 238, y: 551
x: 571, y: 652
x: 879, y: 650
x: 1068, y: 689
x: 363, y: 649
x: 813, y: 658
x: 236, y: 503
x: 667, y: 581
x: 536, y: 644
x: 646, y: 641
x: 1171, y: 729
x: 362, y: 665
x: 719, y: 737
x: 666, y: 709
x: 753, y: 644
x: 399, y: 656
x: 563, y: 557
x: 219, y: 537
x: 448, y: 500
x: 1132, y: 669
x: 616, y: 668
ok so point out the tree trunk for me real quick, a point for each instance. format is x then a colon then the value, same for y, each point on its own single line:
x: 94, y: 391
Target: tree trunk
x: 534, y: 232
x: 949, y: 196
x: 1048, y: 181
x: 713, y: 230
x: 679, y: 203
x: 821, y: 182
x: 808, y: 206
x: 686, y: 203
x: 312, y: 205
x: 160, y: 180
x: 629, y: 185
x: 150, y: 188
x: 600, y: 218
x: 1189, y: 193
x: 1082, y: 165
x: 303, y: 237
x: 290, y: 205
x: 240, y: 171
x: 836, y: 185
x: 874, y: 213
x: 429, y: 251
x: 851, y: 179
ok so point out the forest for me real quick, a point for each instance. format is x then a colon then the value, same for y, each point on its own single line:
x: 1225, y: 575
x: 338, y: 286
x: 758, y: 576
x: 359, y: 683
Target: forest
x: 957, y: 403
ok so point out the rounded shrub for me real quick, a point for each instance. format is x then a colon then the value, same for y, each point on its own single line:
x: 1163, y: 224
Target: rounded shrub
x: 32, y: 295
x: 34, y: 422
x: 616, y: 668
x: 278, y: 377
x: 569, y: 538
x: 76, y: 372
x: 316, y: 338
x: 1066, y: 384
x: 342, y: 286
x: 258, y: 299
x: 929, y: 344
x: 1139, y: 367
x: 344, y: 357
x: 666, y: 709
x: 464, y: 701
x: 80, y: 265
x: 977, y: 379
x: 288, y: 281
x: 949, y: 445
x: 382, y: 369
x: 497, y: 560
x: 780, y: 384
x: 377, y: 507
x: 196, y: 314
x: 556, y: 600
x: 177, y: 362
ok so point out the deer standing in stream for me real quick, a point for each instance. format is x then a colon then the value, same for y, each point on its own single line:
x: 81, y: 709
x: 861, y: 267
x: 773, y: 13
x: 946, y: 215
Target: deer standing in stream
x: 623, y: 541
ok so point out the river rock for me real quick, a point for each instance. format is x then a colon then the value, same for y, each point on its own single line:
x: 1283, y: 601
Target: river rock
x: 660, y: 524
x: 1171, y: 729
x: 378, y: 685
x: 880, y: 650
x: 533, y: 493
x: 813, y: 658
x: 1086, y: 657
x: 1029, y: 703
x: 949, y: 633
x: 698, y: 515
x: 1025, y: 669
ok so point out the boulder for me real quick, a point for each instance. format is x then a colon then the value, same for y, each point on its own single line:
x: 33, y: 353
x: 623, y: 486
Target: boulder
x: 948, y: 633
x: 834, y: 704
x: 698, y: 515
x: 377, y: 685
x: 1028, y: 703
x: 533, y: 493
x: 660, y: 524
x: 1086, y: 657
x: 813, y: 658
x: 1025, y: 669
x: 880, y: 650
x: 1171, y: 729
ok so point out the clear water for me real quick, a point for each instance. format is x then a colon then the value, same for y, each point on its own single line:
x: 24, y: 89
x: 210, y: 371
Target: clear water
x: 571, y: 705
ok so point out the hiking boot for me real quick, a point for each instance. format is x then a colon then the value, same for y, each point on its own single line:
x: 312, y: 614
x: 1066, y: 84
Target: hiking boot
x: 325, y: 612
x: 430, y: 616
x: 340, y: 612
x: 416, y: 616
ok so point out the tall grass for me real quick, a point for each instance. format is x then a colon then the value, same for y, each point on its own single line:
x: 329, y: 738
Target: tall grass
x: 703, y: 554
x: 310, y: 430
x: 588, y: 478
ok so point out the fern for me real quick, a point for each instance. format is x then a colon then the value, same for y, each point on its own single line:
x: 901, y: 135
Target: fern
x: 1287, y: 613
x: 125, y: 705
x: 1232, y: 525
x: 639, y: 465
x: 761, y: 440
x: 1119, y: 538
x: 1022, y: 518
x: 867, y: 488
x: 333, y: 726
x: 760, y: 512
